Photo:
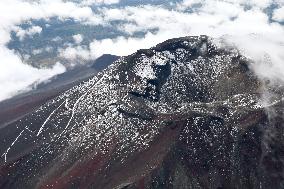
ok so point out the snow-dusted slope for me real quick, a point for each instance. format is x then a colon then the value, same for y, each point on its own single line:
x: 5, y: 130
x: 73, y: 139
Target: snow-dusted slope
x: 184, y: 114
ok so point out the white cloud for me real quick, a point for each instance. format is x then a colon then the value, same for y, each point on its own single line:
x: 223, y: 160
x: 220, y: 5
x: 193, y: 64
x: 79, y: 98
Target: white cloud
x: 18, y: 76
x: 253, y: 3
x: 56, y: 39
x: 28, y: 32
x: 279, y: 14
x: 222, y: 8
x: 78, y: 38
x: 75, y: 52
x: 188, y: 3
x: 14, y: 74
x: 266, y: 51
x: 37, y: 51
x: 107, y: 2
x: 124, y: 46
x: 213, y: 21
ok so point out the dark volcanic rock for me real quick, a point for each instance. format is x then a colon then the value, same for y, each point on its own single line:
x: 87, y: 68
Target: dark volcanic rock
x: 184, y: 114
x: 104, y: 61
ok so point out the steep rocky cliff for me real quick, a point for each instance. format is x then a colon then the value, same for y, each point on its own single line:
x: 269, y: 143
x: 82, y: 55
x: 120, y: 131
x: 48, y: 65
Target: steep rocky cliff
x: 184, y: 114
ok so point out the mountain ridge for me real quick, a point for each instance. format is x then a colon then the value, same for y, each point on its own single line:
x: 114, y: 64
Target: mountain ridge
x: 183, y: 114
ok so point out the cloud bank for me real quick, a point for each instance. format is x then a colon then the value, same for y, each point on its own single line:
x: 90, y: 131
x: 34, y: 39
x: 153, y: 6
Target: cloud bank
x: 15, y: 75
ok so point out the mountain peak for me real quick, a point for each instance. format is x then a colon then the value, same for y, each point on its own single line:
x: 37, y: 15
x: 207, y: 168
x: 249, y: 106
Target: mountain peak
x: 183, y: 113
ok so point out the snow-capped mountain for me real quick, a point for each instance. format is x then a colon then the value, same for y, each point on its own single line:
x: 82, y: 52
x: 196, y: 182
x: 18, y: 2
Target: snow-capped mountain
x: 184, y: 114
